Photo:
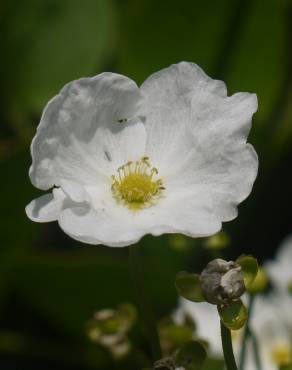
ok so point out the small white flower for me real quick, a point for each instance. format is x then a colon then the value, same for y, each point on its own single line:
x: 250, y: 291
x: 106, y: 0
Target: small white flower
x: 271, y: 323
x: 168, y: 157
x: 273, y: 330
x: 279, y: 270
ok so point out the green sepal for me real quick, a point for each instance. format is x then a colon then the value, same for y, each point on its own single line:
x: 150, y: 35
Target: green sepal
x: 191, y: 356
x: 233, y: 316
x: 260, y: 282
x: 249, y: 267
x: 189, y: 286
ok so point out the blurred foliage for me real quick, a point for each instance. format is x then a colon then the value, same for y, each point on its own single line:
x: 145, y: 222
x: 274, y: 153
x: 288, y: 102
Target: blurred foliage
x: 260, y: 283
x: 218, y: 241
x: 49, y: 285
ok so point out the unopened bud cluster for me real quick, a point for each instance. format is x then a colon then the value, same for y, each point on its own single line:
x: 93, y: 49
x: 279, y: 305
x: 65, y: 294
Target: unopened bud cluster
x: 222, y: 282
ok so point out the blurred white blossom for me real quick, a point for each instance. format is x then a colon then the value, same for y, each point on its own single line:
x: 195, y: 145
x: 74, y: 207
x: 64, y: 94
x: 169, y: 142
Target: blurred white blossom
x: 280, y: 269
x: 272, y: 331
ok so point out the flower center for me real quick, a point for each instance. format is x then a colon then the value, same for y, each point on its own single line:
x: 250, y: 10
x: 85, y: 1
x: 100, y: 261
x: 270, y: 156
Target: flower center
x: 136, y: 184
x: 282, y: 354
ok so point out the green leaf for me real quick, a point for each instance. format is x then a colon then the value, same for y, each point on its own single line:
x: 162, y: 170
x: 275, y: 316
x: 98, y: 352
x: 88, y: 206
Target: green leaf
x: 56, y: 42
x: 286, y: 367
x: 189, y: 286
x: 249, y: 266
x: 177, y: 335
x: 191, y: 356
x: 233, y: 316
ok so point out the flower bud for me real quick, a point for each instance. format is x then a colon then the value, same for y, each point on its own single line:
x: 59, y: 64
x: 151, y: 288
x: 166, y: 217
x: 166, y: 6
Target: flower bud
x: 222, y: 282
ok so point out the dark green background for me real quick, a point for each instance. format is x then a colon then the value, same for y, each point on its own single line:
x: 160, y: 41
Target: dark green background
x: 49, y: 284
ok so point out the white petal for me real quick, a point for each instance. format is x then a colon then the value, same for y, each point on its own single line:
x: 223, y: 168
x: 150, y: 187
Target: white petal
x: 80, y: 137
x: 186, y: 214
x: 76, y: 192
x: 115, y: 225
x: 167, y: 105
x: 98, y: 227
x: 204, y: 132
x: 46, y: 208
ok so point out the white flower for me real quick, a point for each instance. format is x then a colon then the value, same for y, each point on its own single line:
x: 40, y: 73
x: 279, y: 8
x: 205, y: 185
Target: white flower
x: 168, y: 157
x: 279, y: 270
x: 273, y: 330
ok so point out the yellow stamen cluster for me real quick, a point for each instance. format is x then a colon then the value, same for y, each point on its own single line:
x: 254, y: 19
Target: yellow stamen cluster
x: 282, y: 354
x: 135, y: 185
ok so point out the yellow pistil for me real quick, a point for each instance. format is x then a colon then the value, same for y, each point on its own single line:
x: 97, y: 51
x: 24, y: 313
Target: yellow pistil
x: 282, y: 354
x: 135, y: 185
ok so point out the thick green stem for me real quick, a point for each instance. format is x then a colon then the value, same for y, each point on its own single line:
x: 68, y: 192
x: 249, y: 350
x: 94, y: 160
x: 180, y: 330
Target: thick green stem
x: 227, y: 348
x: 143, y: 302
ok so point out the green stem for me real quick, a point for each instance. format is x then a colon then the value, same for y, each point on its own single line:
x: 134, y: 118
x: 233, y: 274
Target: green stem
x: 246, y: 334
x: 143, y: 302
x: 256, y: 351
x: 227, y: 348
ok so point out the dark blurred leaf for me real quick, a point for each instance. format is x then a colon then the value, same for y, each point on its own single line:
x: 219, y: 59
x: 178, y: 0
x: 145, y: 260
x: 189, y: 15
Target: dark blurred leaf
x: 69, y: 286
x: 214, y: 364
x: 189, y: 286
x: 257, y: 69
x: 286, y: 367
x: 157, y: 34
x: 48, y: 43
